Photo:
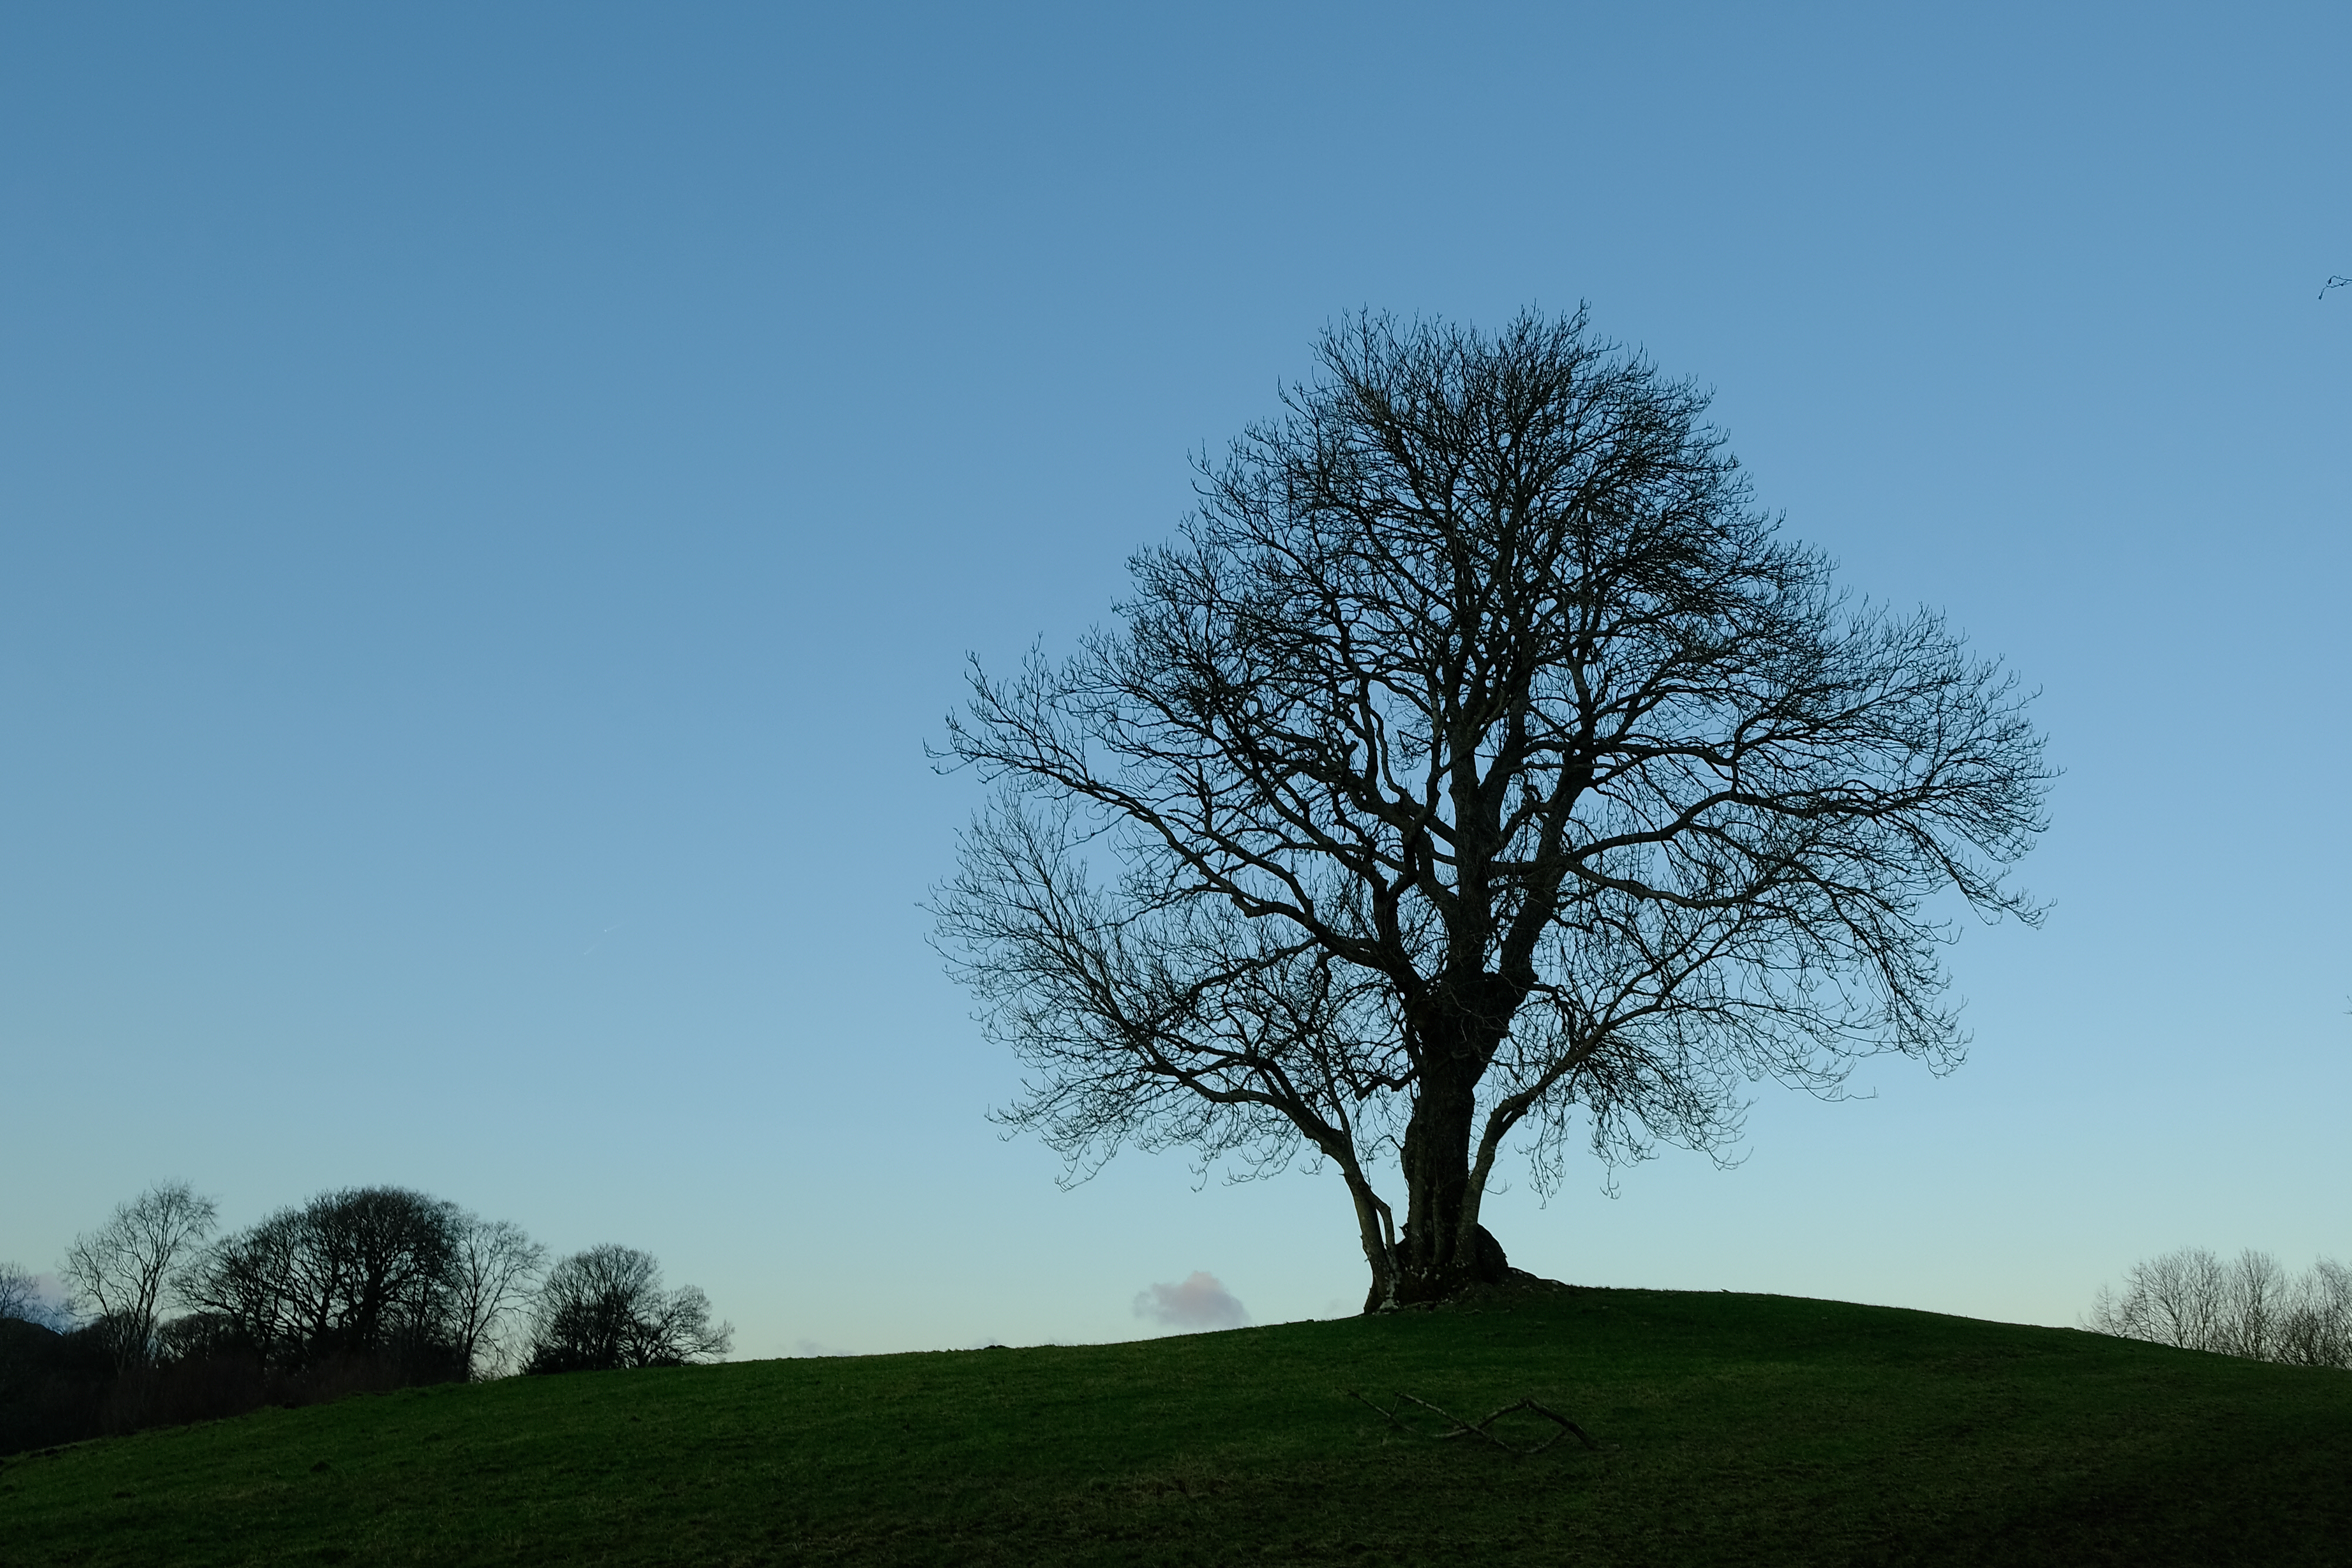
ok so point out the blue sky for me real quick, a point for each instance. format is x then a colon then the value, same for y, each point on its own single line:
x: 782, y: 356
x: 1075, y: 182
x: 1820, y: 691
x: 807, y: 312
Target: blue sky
x: 493, y: 501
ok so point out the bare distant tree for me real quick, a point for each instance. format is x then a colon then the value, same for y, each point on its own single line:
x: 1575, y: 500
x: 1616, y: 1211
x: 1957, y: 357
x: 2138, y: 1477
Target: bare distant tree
x: 2316, y: 1327
x: 2253, y: 1299
x: 17, y: 1294
x: 254, y: 1287
x: 120, y: 1272
x: 492, y: 1269
x: 363, y: 1270
x: 2177, y: 1299
x: 21, y: 1298
x: 2245, y: 1306
x: 605, y: 1309
x: 1478, y: 767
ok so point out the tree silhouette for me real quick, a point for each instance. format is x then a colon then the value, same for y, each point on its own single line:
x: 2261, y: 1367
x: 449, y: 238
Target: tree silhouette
x: 120, y: 1272
x: 1479, y: 766
x: 605, y: 1309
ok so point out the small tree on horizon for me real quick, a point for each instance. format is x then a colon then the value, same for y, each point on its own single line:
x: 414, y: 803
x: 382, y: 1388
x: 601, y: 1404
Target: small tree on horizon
x: 604, y: 1308
x: 1478, y: 767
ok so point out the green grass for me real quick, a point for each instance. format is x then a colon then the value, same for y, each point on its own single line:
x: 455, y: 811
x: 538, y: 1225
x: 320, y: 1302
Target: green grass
x: 1737, y: 1430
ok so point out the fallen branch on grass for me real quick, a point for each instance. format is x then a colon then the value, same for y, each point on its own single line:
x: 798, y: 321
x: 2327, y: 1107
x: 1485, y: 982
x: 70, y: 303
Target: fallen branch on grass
x: 1482, y: 1427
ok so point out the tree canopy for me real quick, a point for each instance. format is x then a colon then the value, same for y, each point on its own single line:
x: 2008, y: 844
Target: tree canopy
x: 1478, y: 765
x: 605, y: 1309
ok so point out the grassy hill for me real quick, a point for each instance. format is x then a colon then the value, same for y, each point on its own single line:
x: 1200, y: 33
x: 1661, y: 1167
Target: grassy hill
x: 1734, y: 1429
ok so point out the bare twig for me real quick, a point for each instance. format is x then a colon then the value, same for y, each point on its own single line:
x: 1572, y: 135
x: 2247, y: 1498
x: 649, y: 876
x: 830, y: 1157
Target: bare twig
x: 2337, y: 281
x: 1482, y: 1427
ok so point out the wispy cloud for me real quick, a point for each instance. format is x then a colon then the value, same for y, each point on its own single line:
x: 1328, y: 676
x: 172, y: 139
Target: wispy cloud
x: 1200, y: 1303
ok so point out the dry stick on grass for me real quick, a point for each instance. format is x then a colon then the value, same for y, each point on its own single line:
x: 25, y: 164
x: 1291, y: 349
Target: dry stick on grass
x: 1480, y: 1427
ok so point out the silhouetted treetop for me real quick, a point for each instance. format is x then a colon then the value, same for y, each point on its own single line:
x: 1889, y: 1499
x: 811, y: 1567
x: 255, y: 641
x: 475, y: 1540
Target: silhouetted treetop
x: 1478, y: 762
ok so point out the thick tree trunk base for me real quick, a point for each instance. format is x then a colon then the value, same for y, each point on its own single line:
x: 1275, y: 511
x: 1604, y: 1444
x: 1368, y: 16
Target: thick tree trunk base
x: 1415, y: 1288
x: 1518, y: 1287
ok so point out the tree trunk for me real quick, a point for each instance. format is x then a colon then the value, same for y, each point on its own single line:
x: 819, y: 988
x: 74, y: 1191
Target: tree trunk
x: 1443, y: 1249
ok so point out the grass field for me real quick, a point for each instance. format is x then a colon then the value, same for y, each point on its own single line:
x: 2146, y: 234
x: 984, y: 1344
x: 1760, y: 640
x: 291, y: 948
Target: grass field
x: 1734, y: 1429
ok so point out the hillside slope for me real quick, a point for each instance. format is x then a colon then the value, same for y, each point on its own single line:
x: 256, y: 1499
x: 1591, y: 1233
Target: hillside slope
x: 1734, y: 1429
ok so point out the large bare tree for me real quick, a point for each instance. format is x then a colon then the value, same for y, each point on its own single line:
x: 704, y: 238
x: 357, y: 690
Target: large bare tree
x: 364, y: 1270
x: 1478, y: 767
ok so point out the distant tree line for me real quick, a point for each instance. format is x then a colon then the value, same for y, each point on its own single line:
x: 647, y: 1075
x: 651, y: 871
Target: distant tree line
x: 359, y: 1289
x: 2248, y: 1306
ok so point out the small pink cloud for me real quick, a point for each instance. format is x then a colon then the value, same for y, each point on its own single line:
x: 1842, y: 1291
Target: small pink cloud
x: 1200, y: 1303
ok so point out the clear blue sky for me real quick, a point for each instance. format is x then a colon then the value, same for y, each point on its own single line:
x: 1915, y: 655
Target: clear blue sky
x: 493, y: 501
